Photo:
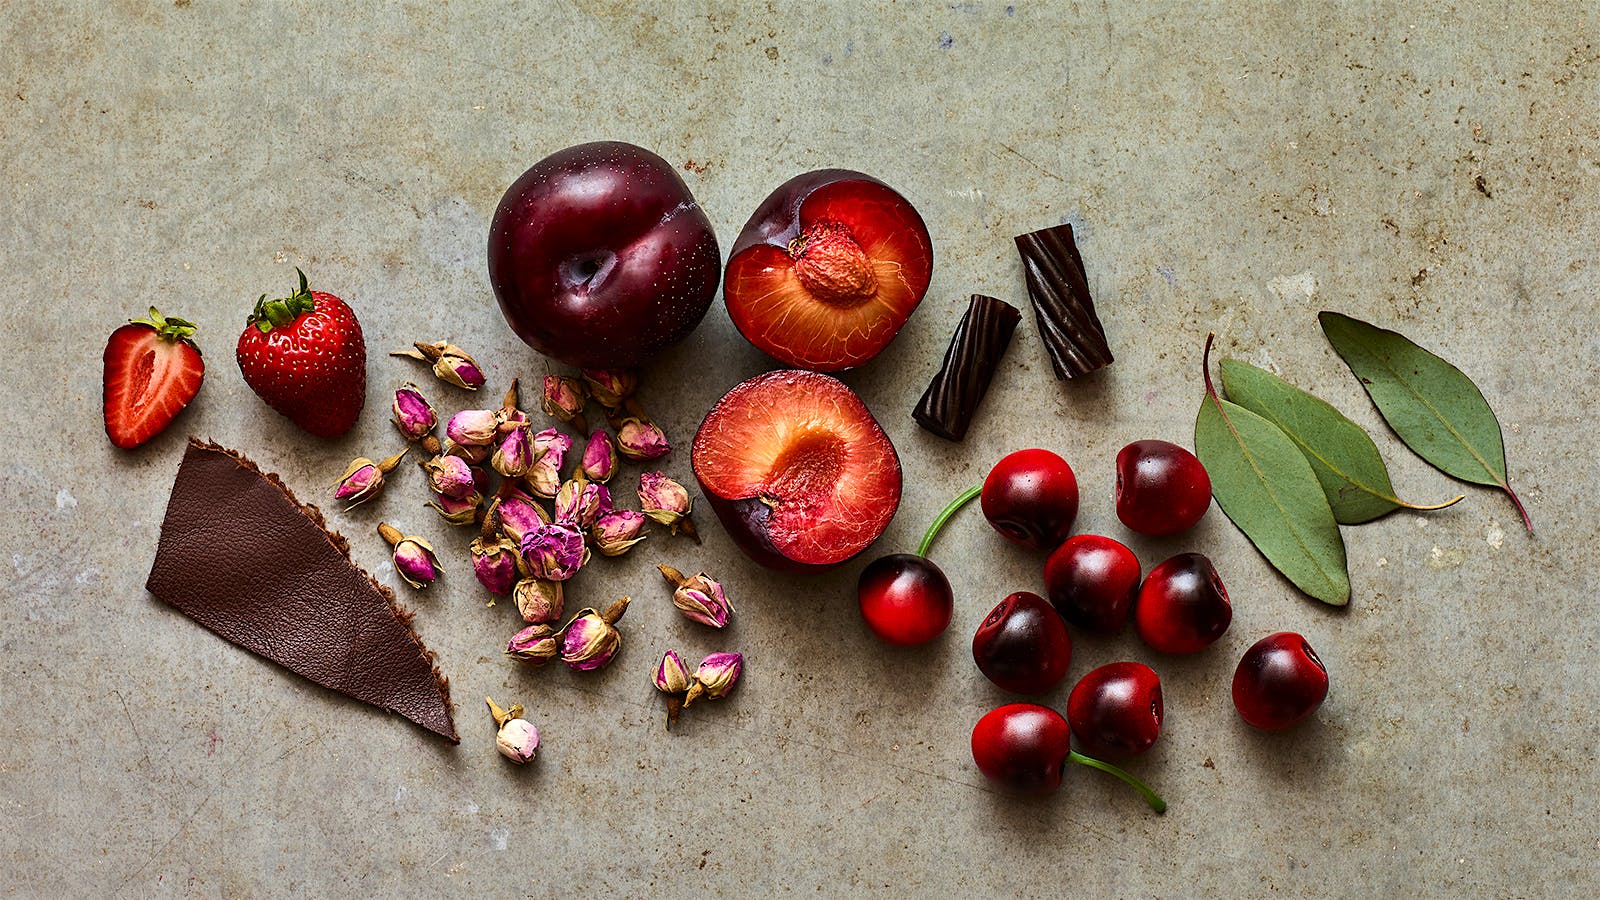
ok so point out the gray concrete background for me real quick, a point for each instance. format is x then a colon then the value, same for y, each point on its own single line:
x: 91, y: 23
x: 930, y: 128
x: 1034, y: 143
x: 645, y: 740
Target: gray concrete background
x: 1231, y: 168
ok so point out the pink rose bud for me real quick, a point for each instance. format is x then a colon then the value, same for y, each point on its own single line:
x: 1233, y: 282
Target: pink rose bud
x: 665, y: 501
x: 472, y: 427
x: 413, y: 415
x: 494, y: 557
x: 616, y: 531
x: 591, y: 638
x: 549, y: 453
x: 554, y: 551
x: 457, y: 511
x: 538, y: 601
x: 698, y: 598
x: 641, y: 440
x: 536, y: 644
x: 600, y: 456
x: 518, y: 515
x: 672, y: 676
x: 414, y: 559
x: 717, y: 675
x: 516, y: 738
x: 363, y: 479
x: 564, y: 398
x: 581, y: 503
x: 450, y: 476
x: 514, y: 457
x: 611, y: 387
x: 450, y: 363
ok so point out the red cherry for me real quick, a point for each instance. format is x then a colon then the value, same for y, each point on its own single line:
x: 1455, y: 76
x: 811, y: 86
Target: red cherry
x: 1115, y: 711
x: 1031, y: 497
x: 1092, y: 581
x: 1280, y: 681
x: 1023, y: 747
x: 1023, y: 645
x: 905, y: 599
x: 1161, y: 488
x: 1182, y: 606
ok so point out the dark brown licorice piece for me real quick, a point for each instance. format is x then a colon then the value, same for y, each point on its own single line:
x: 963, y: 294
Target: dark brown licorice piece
x: 1061, y: 303
x: 947, y: 406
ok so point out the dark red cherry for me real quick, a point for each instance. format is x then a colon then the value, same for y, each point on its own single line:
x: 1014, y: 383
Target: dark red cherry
x: 905, y: 599
x: 1115, y: 711
x: 1182, y: 606
x: 1161, y: 488
x: 1022, y: 747
x: 1023, y: 645
x: 1092, y: 581
x: 1031, y: 497
x: 1280, y: 681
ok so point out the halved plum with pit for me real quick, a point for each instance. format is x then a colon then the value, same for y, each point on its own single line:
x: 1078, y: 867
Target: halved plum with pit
x: 797, y: 469
x: 828, y: 269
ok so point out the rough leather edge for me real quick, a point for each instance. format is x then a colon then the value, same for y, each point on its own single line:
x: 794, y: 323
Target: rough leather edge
x: 340, y: 543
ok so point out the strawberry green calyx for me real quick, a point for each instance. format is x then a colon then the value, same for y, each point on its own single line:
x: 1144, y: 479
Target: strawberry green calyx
x: 270, y: 314
x: 168, y: 328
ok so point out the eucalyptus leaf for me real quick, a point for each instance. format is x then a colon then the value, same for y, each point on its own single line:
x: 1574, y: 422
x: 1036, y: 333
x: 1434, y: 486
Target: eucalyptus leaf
x: 1430, y: 404
x: 1341, y: 454
x: 1266, y: 486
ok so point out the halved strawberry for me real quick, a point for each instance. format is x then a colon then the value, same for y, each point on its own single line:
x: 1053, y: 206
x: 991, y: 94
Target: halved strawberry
x: 152, y: 370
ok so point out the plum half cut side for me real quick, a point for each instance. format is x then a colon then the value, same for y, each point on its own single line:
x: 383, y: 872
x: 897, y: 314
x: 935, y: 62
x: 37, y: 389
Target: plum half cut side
x: 828, y: 270
x: 797, y: 470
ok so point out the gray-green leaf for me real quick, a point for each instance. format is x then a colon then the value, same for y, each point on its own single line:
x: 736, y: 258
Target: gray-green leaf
x: 1264, y: 484
x: 1430, y: 404
x: 1343, y: 457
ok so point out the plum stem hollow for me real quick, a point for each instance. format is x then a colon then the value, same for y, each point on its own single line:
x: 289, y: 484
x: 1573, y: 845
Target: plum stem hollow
x: 1150, y: 797
x: 944, y: 516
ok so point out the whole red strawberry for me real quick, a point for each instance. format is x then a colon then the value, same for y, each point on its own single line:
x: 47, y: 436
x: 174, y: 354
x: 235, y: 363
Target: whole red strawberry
x: 305, y: 356
x: 152, y: 371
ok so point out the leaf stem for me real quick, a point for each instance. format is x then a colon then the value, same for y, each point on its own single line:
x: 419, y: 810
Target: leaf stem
x: 1150, y: 796
x: 944, y: 516
x: 1517, y: 502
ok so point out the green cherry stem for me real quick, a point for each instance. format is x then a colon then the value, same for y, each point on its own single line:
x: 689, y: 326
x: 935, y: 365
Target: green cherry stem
x: 1150, y: 797
x: 944, y: 516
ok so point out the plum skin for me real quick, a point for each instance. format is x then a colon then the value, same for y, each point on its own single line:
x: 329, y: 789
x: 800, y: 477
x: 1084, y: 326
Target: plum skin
x: 600, y: 257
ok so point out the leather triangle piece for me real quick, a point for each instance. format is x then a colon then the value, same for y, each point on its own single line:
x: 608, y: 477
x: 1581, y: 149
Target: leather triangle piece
x: 242, y: 557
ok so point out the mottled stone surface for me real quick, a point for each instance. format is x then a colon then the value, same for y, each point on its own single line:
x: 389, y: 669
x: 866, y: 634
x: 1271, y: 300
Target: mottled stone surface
x: 1232, y: 168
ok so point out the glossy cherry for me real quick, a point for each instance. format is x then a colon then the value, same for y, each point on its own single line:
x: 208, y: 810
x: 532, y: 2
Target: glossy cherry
x: 1280, y: 681
x: 1023, y: 645
x: 1161, y: 488
x: 905, y: 599
x: 1115, y: 710
x: 1182, y: 606
x: 1092, y: 581
x: 1024, y: 747
x: 1031, y: 497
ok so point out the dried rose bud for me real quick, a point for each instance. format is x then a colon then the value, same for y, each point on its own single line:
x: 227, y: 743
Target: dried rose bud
x: 510, y: 411
x: 472, y: 427
x: 471, y: 454
x: 494, y: 556
x: 699, y: 598
x: 550, y: 452
x: 581, y: 503
x: 611, y: 387
x: 457, y: 511
x: 672, y: 676
x: 554, y: 551
x: 641, y: 440
x: 413, y: 415
x: 717, y: 675
x: 414, y: 559
x: 450, y: 363
x: 600, y: 456
x: 538, y: 601
x: 363, y: 479
x: 666, y: 501
x: 617, y: 530
x: 518, y: 515
x: 537, y: 644
x: 516, y: 739
x: 591, y: 639
x: 450, y: 476
x: 514, y: 456
x: 564, y: 398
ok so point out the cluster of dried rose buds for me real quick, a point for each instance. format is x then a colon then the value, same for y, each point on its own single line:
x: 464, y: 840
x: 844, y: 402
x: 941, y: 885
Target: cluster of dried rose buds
x: 713, y: 679
x: 587, y: 642
x: 414, y: 559
x: 699, y: 598
x: 516, y: 738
